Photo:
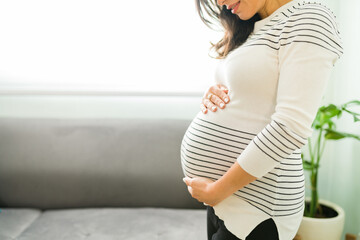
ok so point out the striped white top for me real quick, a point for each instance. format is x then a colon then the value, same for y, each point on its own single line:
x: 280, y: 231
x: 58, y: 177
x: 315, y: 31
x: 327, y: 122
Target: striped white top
x: 276, y: 81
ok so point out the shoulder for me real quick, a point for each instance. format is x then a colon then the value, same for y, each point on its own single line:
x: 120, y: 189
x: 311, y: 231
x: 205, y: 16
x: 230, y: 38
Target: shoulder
x: 316, y: 13
x: 312, y: 23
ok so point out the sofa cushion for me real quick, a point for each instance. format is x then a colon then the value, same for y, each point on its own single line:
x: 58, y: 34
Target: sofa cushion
x: 14, y: 221
x: 118, y: 223
x: 85, y: 163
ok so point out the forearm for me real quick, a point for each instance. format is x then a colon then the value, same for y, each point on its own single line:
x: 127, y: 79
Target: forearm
x: 234, y: 179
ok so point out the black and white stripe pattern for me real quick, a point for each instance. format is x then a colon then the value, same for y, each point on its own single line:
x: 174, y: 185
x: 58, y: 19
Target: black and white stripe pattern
x: 306, y: 23
x: 278, y: 142
x: 300, y: 41
x: 281, y: 170
x: 209, y: 150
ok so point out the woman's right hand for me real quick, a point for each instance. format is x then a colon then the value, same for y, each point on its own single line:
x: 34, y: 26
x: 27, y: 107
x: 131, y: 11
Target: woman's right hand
x: 216, y: 95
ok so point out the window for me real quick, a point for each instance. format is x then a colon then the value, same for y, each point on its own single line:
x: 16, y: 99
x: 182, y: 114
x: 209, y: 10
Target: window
x: 105, y: 45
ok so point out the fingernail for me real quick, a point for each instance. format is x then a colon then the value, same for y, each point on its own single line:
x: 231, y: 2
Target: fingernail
x: 222, y: 105
x: 226, y: 100
x: 213, y: 108
x: 184, y: 180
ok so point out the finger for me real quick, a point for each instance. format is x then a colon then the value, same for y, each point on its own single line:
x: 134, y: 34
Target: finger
x: 187, y: 180
x: 209, y: 104
x: 218, y: 101
x: 220, y: 94
x: 203, y: 108
x: 190, y: 190
x: 223, y: 88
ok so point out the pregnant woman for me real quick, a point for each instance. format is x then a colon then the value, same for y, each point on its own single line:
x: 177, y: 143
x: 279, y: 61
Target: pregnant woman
x: 242, y: 158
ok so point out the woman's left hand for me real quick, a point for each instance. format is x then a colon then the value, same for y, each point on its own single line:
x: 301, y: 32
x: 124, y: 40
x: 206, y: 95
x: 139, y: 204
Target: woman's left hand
x: 203, y: 190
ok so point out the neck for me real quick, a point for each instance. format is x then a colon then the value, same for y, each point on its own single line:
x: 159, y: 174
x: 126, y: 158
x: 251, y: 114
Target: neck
x: 271, y: 6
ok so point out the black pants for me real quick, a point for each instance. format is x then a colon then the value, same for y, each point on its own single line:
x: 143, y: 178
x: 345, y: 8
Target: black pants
x: 216, y: 229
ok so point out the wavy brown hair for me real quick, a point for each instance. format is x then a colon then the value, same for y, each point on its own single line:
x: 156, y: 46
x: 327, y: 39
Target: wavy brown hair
x: 236, y: 31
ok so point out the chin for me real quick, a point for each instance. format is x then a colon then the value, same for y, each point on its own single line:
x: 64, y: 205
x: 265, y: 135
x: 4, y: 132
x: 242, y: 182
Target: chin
x: 243, y: 17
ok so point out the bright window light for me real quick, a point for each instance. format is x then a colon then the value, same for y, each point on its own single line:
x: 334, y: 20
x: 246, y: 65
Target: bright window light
x: 105, y: 45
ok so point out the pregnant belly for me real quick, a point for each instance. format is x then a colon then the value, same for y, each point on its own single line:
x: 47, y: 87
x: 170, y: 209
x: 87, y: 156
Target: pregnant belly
x: 209, y: 149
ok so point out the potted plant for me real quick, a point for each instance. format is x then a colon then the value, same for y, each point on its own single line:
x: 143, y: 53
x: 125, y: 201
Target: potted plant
x: 322, y: 219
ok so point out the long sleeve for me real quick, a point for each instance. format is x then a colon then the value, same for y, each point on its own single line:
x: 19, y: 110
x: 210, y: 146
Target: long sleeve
x: 309, y: 46
x: 276, y: 81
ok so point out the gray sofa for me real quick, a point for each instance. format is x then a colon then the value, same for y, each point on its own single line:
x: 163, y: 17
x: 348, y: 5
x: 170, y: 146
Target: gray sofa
x: 95, y: 179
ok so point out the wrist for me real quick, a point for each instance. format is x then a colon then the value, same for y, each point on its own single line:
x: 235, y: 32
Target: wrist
x: 218, y: 191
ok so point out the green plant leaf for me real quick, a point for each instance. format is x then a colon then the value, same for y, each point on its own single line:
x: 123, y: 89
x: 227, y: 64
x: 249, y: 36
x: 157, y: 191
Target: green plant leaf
x: 326, y: 128
x: 339, y: 115
x: 316, y: 123
x: 307, y: 165
x: 335, y: 135
x: 356, y: 119
x: 324, y: 115
x: 330, y: 111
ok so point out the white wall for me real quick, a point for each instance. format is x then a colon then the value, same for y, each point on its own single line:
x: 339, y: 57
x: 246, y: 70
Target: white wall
x: 339, y: 179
